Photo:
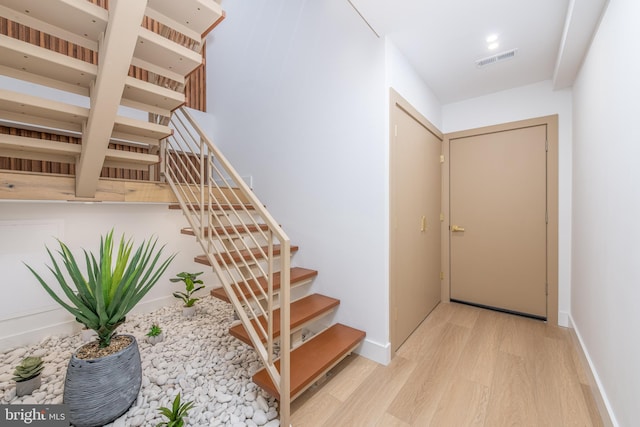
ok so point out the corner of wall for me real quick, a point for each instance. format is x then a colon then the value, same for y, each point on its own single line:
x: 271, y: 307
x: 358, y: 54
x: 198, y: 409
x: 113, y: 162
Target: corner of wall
x: 375, y: 351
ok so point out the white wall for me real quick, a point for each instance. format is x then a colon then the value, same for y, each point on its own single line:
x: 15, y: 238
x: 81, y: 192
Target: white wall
x: 29, y: 314
x: 606, y: 209
x: 401, y: 76
x: 521, y: 103
x: 298, y: 93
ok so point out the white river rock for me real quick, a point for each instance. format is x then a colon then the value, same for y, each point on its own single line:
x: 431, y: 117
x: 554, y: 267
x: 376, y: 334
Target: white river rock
x: 197, y: 359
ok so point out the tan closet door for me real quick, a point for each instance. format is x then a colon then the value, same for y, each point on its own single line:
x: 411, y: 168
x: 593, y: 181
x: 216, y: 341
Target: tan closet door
x: 415, y: 224
x: 498, y: 220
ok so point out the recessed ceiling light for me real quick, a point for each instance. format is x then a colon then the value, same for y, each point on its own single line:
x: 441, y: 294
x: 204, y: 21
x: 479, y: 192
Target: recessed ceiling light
x: 493, y: 46
x: 492, y: 38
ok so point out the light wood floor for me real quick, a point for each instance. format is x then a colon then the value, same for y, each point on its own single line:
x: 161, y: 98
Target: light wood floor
x: 463, y: 366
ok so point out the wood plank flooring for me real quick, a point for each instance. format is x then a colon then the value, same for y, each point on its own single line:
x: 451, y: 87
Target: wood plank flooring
x: 463, y: 366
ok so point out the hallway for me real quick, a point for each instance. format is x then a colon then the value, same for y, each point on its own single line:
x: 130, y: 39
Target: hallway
x: 463, y: 366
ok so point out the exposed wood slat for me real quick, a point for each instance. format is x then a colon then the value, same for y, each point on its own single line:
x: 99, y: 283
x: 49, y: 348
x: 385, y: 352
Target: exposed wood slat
x: 128, y: 126
x: 59, y: 17
x: 58, y: 115
x: 130, y: 158
x: 303, y: 311
x: 63, y: 72
x: 196, y: 15
x: 39, y: 61
x: 144, y: 95
x: 21, y: 143
x: 298, y: 276
x: 42, y: 149
x: 155, y: 49
x: 313, y: 358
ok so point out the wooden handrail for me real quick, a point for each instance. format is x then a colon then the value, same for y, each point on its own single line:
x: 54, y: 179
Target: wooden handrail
x: 191, y: 158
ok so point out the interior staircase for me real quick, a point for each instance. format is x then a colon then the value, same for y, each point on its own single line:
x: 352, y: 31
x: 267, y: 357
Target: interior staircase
x: 90, y: 60
x: 251, y: 255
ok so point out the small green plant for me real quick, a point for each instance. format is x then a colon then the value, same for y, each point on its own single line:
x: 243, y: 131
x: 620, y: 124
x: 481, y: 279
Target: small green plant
x: 176, y: 413
x: 154, y: 331
x: 30, y: 367
x: 189, y: 280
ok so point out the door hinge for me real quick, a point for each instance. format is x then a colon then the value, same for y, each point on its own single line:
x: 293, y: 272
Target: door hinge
x: 546, y: 290
x: 395, y: 130
x: 441, y: 158
x: 441, y: 217
x: 546, y: 145
x: 442, y: 275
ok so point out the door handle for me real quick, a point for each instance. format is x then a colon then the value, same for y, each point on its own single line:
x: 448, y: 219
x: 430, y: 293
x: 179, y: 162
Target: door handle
x: 456, y: 228
x: 423, y: 223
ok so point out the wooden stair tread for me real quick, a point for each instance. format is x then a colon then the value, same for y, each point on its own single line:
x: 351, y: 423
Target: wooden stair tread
x: 314, y: 358
x: 241, y: 228
x: 297, y: 276
x: 246, y: 254
x: 302, y: 311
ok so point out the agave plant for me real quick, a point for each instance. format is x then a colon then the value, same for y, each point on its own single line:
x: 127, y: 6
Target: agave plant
x: 113, y: 285
x: 30, y: 367
x: 176, y: 413
x: 189, y: 280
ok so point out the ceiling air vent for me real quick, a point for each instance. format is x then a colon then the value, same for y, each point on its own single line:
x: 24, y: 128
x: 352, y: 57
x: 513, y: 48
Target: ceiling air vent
x: 496, y: 58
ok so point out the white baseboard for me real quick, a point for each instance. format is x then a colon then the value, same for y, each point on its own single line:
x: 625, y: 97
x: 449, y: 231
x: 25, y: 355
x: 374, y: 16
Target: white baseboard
x: 377, y: 352
x: 58, y: 322
x: 600, y: 396
x: 563, y: 319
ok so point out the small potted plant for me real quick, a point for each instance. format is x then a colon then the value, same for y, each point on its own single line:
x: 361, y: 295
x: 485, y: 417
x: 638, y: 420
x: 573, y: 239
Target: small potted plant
x: 189, y: 280
x: 155, y: 335
x: 27, y: 375
x: 176, y: 414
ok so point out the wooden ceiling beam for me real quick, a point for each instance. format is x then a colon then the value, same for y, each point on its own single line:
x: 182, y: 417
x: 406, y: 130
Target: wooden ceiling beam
x: 116, y: 52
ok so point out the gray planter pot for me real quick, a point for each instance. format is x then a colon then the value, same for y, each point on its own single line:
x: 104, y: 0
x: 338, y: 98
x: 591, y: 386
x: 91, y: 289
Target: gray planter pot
x: 98, y: 391
x: 27, y: 387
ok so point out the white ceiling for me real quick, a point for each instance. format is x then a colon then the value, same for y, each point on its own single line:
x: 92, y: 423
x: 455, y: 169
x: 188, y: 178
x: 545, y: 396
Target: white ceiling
x: 442, y: 39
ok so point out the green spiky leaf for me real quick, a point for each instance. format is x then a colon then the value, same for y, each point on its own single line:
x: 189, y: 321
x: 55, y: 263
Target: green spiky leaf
x: 114, y: 283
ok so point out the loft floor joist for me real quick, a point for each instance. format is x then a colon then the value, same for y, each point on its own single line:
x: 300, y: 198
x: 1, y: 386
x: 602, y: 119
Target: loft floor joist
x: 120, y: 40
x: 42, y: 66
x: 59, y: 115
x: 64, y: 152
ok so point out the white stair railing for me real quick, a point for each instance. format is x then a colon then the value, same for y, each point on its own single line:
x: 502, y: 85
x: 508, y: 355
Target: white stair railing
x: 240, y: 239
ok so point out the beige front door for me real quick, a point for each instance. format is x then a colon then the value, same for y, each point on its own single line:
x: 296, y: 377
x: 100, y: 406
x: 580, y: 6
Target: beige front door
x: 498, y: 212
x: 415, y: 193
